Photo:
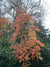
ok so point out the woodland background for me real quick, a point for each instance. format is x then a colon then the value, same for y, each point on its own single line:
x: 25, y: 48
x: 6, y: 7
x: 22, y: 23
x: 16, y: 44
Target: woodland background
x: 35, y: 9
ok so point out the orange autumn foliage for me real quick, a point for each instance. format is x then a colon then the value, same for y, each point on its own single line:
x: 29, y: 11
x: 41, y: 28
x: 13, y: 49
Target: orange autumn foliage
x: 3, y: 25
x: 24, y: 38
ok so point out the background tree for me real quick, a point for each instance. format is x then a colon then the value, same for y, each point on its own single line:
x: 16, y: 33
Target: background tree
x: 10, y: 10
x: 33, y: 7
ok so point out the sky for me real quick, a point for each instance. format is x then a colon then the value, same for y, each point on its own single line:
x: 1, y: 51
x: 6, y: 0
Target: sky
x: 46, y: 5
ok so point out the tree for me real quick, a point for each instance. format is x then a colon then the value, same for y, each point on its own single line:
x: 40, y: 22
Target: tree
x: 43, y: 36
x: 21, y: 37
x: 25, y: 44
x: 33, y: 8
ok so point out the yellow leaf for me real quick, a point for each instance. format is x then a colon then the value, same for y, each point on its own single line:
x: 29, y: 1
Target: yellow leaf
x: 40, y: 58
x: 32, y: 34
x: 38, y: 54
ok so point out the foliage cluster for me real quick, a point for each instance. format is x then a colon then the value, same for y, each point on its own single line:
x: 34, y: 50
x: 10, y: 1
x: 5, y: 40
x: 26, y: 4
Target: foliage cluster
x: 23, y: 37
